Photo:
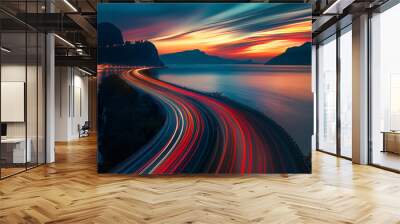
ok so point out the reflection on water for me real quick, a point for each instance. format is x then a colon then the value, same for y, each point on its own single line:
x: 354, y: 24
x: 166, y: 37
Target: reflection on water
x: 283, y: 93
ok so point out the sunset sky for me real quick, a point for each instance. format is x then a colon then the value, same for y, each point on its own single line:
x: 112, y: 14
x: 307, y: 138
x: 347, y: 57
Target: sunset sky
x: 255, y: 31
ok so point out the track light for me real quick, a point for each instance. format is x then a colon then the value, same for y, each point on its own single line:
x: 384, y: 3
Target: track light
x: 337, y: 7
x: 5, y: 50
x: 64, y: 40
x: 84, y: 71
x: 331, y: 7
x: 70, y: 5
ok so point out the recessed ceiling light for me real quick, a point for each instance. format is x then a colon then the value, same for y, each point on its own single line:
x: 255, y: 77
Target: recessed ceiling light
x: 5, y: 50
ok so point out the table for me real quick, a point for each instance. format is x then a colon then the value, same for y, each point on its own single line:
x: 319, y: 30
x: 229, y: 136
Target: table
x: 391, y: 141
x: 13, y: 150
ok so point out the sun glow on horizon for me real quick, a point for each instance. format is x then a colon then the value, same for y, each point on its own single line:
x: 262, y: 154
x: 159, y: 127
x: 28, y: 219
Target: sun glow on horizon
x: 228, y: 43
x: 245, y: 32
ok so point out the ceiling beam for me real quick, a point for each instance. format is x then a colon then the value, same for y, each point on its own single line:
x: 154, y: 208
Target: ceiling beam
x: 86, y: 27
x: 79, y: 61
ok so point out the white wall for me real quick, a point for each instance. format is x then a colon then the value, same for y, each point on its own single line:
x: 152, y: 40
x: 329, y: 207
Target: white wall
x: 16, y: 72
x: 33, y: 127
x: 80, y: 110
x: 71, y: 102
x: 62, y: 82
x: 9, y: 73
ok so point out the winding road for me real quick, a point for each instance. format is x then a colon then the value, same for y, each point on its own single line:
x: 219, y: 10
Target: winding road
x: 206, y: 134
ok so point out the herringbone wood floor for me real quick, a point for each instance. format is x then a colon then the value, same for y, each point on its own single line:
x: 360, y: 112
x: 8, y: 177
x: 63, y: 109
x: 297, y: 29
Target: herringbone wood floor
x: 70, y: 191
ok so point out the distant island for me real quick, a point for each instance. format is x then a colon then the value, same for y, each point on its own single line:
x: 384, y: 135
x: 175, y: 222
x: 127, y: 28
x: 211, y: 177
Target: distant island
x: 300, y: 55
x: 115, y: 51
x: 197, y: 56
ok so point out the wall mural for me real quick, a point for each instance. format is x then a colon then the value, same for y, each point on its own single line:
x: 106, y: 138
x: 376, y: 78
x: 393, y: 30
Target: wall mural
x: 200, y: 88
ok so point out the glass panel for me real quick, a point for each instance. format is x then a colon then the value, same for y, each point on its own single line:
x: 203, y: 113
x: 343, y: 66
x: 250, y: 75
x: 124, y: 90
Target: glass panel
x: 31, y: 100
x: 346, y: 94
x: 327, y: 96
x: 385, y: 84
x: 23, y: 90
x: 32, y: 87
x: 13, y: 88
x: 41, y: 98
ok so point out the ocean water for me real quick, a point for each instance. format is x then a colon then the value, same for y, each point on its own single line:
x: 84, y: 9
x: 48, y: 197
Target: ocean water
x: 283, y: 93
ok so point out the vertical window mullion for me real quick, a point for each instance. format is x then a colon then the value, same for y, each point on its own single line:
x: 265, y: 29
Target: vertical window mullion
x: 317, y: 96
x: 26, y: 86
x: 37, y: 90
x: 0, y: 93
x: 338, y: 80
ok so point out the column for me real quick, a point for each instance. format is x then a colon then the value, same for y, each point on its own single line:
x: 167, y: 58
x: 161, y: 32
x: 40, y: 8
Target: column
x: 360, y: 90
x: 50, y: 92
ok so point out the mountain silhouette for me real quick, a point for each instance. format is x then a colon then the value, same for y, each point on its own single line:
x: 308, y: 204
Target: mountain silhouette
x: 112, y: 49
x: 197, y: 56
x: 109, y: 35
x: 300, y: 55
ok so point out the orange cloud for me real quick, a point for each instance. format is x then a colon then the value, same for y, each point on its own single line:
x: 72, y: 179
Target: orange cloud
x: 227, y: 42
x: 300, y: 27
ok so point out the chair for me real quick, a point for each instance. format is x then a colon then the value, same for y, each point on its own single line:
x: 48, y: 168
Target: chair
x: 84, y: 130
